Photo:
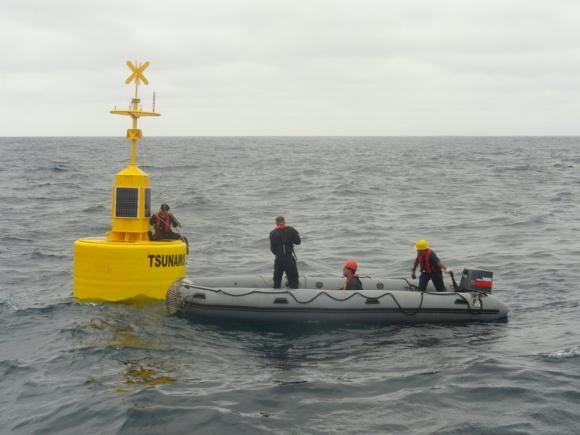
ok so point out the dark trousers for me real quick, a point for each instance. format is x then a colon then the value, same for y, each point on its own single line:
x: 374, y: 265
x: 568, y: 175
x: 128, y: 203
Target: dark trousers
x: 169, y: 236
x: 437, y: 279
x: 166, y: 236
x: 285, y: 264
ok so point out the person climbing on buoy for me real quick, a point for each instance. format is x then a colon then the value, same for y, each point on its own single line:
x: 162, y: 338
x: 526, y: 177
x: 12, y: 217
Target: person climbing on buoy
x: 352, y: 281
x: 430, y: 266
x: 282, y: 241
x: 162, y: 221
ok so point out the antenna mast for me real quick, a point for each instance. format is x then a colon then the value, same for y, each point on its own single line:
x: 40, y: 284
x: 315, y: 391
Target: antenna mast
x: 134, y: 134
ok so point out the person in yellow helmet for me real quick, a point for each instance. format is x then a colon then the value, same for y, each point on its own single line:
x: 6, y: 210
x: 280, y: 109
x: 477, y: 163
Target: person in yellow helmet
x: 430, y: 265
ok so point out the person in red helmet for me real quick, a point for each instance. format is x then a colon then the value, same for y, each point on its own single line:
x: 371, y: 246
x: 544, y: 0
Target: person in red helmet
x: 352, y: 281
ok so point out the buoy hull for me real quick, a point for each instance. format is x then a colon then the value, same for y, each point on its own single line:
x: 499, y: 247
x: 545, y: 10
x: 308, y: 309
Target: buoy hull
x: 115, y: 271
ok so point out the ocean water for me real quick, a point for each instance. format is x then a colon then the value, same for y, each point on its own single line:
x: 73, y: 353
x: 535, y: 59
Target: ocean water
x: 507, y: 204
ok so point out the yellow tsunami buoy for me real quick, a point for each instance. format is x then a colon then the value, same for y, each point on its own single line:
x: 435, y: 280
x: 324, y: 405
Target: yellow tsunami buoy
x: 125, y: 264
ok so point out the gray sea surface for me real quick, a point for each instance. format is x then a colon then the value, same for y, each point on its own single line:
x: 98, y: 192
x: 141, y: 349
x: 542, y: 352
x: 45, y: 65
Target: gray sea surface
x: 507, y: 204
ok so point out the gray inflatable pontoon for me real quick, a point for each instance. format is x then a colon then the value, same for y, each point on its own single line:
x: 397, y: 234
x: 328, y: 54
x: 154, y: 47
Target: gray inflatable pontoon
x: 382, y: 301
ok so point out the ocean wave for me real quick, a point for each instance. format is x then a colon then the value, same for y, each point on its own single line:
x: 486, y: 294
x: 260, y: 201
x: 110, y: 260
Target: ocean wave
x: 563, y: 354
x: 13, y: 368
x: 43, y: 309
x: 514, y: 168
x: 11, y: 239
x: 170, y: 168
x: 38, y: 254
x: 94, y: 209
x: 561, y: 196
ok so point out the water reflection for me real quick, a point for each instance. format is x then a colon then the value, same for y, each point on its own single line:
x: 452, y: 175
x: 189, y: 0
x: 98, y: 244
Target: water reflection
x: 133, y: 338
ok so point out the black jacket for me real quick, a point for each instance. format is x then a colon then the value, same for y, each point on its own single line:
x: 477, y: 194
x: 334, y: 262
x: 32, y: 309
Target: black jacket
x: 354, y: 284
x: 282, y: 241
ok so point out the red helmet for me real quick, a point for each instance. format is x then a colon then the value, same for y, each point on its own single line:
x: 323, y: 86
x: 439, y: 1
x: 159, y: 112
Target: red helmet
x: 351, y: 264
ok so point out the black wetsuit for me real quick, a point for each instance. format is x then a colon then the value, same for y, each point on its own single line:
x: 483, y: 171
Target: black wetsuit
x: 282, y: 243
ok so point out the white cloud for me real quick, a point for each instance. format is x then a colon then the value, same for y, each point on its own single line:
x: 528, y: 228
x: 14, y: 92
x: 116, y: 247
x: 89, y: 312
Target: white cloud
x: 227, y: 67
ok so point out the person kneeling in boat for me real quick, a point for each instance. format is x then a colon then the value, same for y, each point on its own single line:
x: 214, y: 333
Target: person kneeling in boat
x: 430, y: 265
x: 352, y: 281
x: 162, y: 222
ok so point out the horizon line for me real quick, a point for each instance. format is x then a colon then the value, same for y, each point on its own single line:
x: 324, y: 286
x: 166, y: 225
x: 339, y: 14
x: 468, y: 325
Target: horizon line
x: 303, y: 135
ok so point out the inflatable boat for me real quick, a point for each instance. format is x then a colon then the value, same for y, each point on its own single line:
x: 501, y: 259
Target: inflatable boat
x: 317, y: 299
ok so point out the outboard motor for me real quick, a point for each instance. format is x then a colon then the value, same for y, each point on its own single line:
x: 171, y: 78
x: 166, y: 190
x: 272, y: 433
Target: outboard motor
x: 476, y: 281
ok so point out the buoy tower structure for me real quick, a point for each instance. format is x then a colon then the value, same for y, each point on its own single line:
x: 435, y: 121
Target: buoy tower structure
x: 125, y: 264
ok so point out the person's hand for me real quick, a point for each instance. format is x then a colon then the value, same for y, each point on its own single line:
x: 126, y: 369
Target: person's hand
x: 413, y: 275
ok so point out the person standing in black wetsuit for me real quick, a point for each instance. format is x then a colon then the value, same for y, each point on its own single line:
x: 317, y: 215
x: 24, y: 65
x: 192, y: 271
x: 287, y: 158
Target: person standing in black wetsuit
x: 282, y: 241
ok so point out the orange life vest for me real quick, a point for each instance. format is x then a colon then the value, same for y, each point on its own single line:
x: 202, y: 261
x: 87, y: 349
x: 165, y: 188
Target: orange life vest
x: 163, y: 225
x: 424, y: 260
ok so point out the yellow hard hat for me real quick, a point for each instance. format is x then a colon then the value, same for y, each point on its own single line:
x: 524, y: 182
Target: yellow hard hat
x: 421, y: 245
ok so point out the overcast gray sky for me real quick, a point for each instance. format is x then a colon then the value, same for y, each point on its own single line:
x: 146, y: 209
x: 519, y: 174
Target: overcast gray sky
x: 300, y: 67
